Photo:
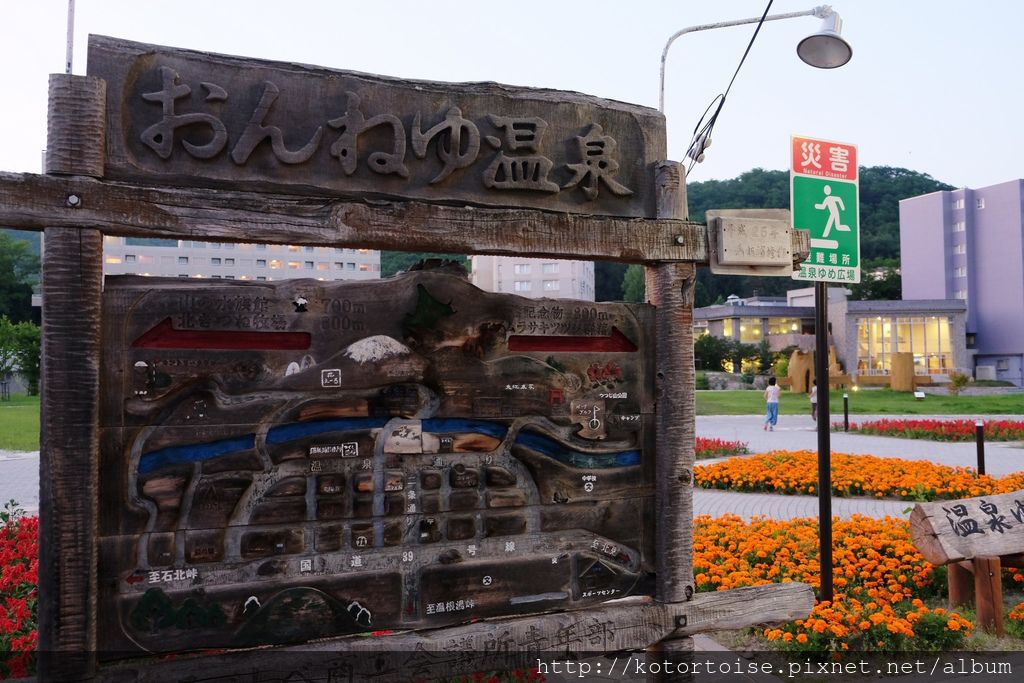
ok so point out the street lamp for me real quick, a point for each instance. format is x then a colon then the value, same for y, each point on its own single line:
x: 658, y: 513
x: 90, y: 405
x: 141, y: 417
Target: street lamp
x: 825, y: 49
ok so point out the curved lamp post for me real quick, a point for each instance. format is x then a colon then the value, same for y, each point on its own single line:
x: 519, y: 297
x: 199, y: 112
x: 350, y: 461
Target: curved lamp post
x: 825, y: 49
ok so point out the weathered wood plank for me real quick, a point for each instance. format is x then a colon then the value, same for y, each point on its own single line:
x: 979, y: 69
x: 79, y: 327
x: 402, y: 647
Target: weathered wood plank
x: 954, y: 530
x: 988, y: 594
x: 72, y: 281
x: 31, y: 202
x: 670, y: 289
x: 629, y: 624
x: 200, y: 119
x: 76, y: 125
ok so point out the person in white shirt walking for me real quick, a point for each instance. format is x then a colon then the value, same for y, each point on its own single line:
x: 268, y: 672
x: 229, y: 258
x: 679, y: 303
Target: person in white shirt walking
x: 814, y: 401
x: 771, y: 397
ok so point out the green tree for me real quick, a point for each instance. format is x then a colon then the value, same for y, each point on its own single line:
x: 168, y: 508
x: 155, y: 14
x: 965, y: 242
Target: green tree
x: 19, y: 270
x: 880, y: 280
x: 881, y: 189
x: 19, y: 352
x: 633, y: 284
x: 740, y: 353
x: 608, y: 277
x: 28, y: 340
x: 711, y: 352
x: 765, y: 357
x: 392, y: 262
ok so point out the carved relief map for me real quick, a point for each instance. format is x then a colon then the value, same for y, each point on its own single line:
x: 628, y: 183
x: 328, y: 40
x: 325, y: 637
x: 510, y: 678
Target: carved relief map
x: 294, y: 460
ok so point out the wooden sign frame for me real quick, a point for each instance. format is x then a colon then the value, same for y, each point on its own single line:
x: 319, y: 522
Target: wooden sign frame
x: 76, y: 203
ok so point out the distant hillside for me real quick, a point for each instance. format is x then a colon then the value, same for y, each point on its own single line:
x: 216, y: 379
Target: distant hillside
x: 881, y: 189
x: 29, y: 236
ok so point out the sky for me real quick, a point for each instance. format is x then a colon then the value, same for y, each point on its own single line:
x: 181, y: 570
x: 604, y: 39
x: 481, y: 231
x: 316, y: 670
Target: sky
x: 933, y: 86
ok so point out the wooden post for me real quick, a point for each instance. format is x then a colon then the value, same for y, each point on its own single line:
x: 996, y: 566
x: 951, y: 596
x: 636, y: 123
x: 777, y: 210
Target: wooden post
x: 960, y: 579
x: 670, y: 289
x: 69, y: 454
x: 988, y: 594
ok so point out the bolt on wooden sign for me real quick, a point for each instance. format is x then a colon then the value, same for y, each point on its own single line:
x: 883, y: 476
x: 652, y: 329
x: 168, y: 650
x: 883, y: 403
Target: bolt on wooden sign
x: 288, y: 461
x: 176, y: 115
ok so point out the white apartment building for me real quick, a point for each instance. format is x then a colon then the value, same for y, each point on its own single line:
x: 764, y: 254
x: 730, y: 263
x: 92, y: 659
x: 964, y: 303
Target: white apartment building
x: 534, y: 278
x: 214, y: 260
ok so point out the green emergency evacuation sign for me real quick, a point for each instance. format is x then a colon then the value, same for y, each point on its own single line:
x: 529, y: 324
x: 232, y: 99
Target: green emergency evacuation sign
x: 824, y: 198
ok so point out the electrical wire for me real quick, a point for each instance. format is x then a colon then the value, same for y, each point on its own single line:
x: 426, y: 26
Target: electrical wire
x: 702, y: 131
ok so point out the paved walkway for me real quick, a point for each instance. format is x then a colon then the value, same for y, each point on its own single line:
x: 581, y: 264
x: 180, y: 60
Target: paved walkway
x: 19, y: 472
x: 799, y: 432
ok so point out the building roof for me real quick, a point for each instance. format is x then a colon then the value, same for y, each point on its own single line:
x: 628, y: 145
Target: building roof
x: 740, y: 311
x: 907, y: 306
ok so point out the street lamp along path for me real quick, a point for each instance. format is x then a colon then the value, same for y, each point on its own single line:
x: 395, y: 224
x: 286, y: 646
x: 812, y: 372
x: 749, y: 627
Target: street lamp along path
x: 825, y: 49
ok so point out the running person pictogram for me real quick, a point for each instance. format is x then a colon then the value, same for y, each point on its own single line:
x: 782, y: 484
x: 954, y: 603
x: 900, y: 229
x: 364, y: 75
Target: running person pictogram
x: 834, y: 205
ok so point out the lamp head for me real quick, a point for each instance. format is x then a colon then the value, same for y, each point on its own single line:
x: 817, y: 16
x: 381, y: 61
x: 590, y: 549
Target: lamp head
x: 826, y: 49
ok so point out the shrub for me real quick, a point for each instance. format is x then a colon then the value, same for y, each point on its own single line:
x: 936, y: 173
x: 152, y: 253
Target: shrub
x: 958, y: 381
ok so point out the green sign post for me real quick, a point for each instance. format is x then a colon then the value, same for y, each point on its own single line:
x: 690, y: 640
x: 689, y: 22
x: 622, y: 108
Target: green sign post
x: 823, y: 195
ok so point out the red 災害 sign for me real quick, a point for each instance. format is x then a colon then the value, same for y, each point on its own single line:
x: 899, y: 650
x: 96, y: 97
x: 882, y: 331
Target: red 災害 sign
x: 824, y: 159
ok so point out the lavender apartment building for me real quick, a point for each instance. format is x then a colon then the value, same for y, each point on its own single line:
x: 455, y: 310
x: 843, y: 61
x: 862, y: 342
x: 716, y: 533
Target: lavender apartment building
x: 969, y: 245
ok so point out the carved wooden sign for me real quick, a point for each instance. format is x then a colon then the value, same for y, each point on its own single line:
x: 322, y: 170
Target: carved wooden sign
x: 955, y: 530
x: 179, y: 115
x: 287, y: 461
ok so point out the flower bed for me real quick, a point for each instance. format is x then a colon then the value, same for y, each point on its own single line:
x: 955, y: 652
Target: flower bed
x: 880, y: 581
x: 717, y: 448
x: 796, y: 472
x: 19, y: 576
x: 939, y: 430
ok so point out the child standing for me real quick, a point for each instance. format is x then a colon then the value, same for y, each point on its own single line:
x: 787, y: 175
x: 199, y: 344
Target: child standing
x: 771, y: 398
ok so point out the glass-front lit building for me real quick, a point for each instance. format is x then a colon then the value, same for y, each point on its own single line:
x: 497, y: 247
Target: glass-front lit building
x: 868, y: 333
x: 865, y: 334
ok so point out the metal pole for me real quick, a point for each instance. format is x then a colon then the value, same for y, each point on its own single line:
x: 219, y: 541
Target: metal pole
x: 71, y: 37
x: 824, y: 439
x: 846, y: 412
x: 822, y: 11
x: 979, y: 437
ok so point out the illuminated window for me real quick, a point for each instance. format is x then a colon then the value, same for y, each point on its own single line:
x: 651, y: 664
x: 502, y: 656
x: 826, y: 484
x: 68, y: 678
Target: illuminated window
x: 552, y: 285
x: 293, y: 265
x: 275, y: 264
x: 926, y: 338
x: 113, y: 259
x: 750, y: 330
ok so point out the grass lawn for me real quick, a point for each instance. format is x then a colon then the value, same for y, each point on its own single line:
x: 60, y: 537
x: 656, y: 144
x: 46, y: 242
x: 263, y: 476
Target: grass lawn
x: 864, y: 402
x: 19, y: 417
x: 19, y: 423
